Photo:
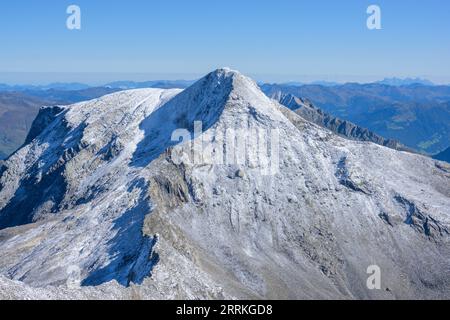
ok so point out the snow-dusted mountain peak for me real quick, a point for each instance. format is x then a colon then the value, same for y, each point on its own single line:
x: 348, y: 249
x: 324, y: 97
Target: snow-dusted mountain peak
x: 103, y: 196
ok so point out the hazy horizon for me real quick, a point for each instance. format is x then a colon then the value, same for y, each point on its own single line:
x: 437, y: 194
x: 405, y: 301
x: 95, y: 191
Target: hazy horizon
x: 94, y: 79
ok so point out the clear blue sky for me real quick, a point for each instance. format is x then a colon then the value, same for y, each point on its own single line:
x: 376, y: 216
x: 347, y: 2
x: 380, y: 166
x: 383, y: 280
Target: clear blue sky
x: 279, y: 40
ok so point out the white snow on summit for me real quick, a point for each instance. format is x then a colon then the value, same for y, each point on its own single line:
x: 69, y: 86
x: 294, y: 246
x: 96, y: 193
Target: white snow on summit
x: 98, y: 199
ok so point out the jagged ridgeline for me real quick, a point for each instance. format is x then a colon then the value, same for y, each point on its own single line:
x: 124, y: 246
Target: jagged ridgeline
x: 102, y: 197
x: 308, y: 111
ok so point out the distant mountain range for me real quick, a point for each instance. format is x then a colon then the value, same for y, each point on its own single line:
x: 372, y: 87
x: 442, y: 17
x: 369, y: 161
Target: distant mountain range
x: 395, y: 82
x: 182, y: 84
x: 308, y: 111
x: 320, y: 83
x: 75, y: 86
x: 416, y: 115
x: 56, y: 86
x: 72, y: 96
x: 161, y: 84
x: 405, y: 82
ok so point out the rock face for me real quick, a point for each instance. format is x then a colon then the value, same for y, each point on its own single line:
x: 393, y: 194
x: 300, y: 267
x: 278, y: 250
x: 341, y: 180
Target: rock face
x: 308, y: 111
x: 105, y: 201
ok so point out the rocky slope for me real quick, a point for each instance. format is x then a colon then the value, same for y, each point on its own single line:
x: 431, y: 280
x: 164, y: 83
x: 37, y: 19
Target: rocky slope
x: 103, y: 202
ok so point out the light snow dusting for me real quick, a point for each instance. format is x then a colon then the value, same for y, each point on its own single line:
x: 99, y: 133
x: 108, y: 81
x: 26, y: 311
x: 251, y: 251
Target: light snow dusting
x: 102, y: 189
